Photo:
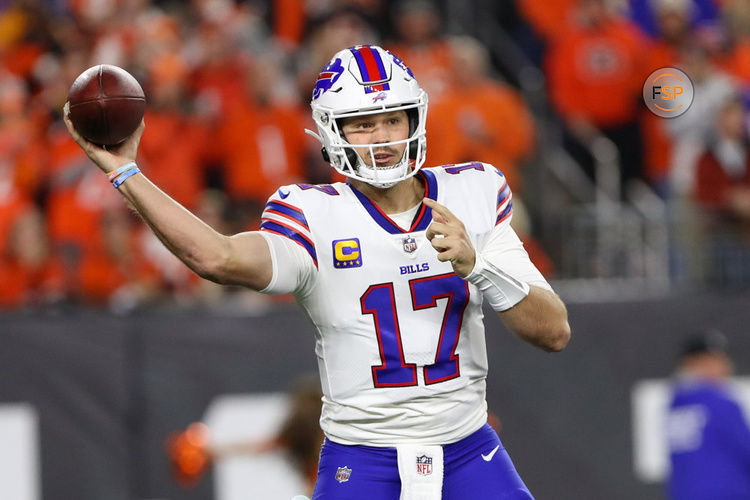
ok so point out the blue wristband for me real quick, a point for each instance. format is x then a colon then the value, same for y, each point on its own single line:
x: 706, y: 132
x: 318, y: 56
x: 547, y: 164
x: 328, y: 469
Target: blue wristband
x: 125, y: 177
x: 116, y: 173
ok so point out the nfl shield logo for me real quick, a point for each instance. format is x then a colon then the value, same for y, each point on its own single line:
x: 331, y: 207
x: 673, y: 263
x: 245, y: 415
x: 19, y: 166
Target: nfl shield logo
x: 410, y: 244
x: 424, y: 465
x: 342, y: 474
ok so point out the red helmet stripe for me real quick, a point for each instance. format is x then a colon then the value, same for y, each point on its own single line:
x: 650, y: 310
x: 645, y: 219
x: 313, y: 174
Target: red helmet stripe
x: 370, y: 64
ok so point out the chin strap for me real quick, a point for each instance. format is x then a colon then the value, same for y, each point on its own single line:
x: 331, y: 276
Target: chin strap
x: 501, y: 290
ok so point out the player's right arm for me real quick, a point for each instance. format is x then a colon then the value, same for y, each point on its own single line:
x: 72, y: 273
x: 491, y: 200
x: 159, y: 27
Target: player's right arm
x: 243, y: 259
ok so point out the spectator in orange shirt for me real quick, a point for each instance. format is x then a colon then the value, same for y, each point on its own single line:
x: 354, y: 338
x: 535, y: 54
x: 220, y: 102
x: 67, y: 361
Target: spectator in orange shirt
x: 480, y: 117
x: 549, y: 18
x: 218, y: 74
x: 76, y: 200
x: 170, y: 119
x: 21, y: 149
x: 16, y: 135
x: 595, y: 81
x: 30, y: 274
x: 218, y: 47
x: 115, y: 272
x: 289, y: 21
x: 418, y: 27
x: 261, y: 143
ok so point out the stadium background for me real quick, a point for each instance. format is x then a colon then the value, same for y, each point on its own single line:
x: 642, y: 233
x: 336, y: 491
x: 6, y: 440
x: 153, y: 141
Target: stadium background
x: 640, y: 223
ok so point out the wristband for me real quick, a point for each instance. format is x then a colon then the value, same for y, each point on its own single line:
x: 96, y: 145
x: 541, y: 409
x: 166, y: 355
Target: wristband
x: 127, y: 175
x: 116, y: 173
x: 501, y: 290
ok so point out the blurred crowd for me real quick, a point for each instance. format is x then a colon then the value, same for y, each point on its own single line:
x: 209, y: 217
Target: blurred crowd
x: 228, y: 85
x: 698, y: 163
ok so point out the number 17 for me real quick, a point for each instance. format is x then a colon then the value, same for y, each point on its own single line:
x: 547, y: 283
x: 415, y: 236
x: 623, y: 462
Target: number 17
x: 379, y: 300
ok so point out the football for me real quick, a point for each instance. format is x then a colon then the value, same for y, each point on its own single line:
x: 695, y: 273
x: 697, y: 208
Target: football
x: 106, y: 104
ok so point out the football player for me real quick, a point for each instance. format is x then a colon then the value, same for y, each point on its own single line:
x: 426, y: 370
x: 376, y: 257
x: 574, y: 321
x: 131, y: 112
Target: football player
x: 392, y: 268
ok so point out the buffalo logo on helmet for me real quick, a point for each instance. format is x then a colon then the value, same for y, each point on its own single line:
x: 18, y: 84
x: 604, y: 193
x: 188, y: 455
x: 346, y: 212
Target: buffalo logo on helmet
x: 328, y: 77
x: 401, y: 63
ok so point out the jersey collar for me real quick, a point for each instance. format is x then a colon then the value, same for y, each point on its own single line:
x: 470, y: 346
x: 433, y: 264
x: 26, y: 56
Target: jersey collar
x: 421, y: 220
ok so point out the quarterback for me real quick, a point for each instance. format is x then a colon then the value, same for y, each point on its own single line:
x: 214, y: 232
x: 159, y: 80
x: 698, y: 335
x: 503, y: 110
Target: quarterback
x: 392, y: 268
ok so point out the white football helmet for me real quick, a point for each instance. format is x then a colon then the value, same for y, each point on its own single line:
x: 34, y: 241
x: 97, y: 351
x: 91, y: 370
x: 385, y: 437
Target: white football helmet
x: 365, y: 80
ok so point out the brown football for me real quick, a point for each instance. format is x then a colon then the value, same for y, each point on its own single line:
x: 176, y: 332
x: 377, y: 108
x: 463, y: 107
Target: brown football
x: 106, y: 104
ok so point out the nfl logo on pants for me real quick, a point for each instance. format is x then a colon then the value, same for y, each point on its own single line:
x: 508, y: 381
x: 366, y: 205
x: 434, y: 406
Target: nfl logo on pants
x: 343, y: 473
x: 424, y: 465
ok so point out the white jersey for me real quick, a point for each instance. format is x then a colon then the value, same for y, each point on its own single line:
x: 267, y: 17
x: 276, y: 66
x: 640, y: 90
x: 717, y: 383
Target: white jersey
x: 399, y: 336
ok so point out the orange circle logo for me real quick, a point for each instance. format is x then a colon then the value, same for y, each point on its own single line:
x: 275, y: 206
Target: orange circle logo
x: 668, y: 92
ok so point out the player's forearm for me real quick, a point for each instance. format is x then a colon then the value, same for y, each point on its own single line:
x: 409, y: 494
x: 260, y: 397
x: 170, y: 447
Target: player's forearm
x: 193, y: 241
x: 540, y: 319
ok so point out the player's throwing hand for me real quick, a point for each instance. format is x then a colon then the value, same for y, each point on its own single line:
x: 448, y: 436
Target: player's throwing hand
x: 455, y: 245
x: 113, y: 157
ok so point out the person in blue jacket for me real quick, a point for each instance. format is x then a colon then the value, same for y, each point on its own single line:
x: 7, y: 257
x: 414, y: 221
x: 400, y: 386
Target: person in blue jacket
x: 708, y: 435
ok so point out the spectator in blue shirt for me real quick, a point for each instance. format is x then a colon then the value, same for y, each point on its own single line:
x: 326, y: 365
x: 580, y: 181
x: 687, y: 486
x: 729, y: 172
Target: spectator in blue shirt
x: 709, y: 438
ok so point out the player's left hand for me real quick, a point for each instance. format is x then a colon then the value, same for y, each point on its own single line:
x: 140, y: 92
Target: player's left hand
x: 454, y: 246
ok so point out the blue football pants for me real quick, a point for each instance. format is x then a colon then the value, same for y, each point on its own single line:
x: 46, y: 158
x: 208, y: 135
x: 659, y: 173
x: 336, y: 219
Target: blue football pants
x: 374, y: 471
